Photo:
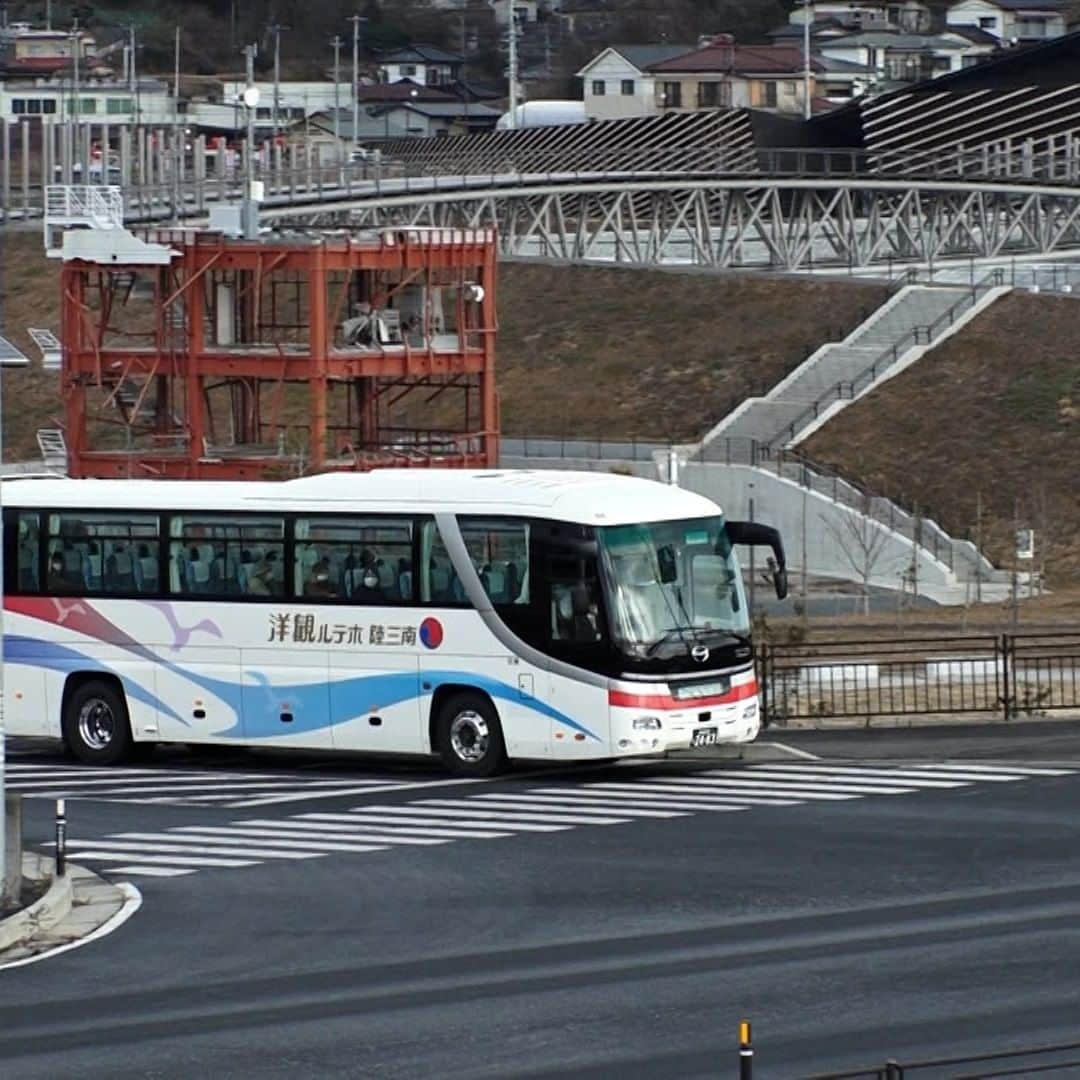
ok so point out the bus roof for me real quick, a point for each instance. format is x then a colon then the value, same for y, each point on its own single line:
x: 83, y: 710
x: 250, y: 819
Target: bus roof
x: 594, y: 498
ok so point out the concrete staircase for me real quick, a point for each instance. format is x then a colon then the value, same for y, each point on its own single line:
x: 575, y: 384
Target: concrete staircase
x: 914, y: 319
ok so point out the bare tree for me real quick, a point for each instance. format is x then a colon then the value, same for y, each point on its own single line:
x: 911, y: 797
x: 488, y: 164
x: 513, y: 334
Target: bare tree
x: 861, y: 538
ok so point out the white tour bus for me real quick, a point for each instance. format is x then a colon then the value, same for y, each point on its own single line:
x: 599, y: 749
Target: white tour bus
x: 477, y: 615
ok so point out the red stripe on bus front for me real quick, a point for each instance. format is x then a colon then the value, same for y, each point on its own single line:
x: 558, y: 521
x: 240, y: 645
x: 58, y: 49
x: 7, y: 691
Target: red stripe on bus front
x: 666, y: 701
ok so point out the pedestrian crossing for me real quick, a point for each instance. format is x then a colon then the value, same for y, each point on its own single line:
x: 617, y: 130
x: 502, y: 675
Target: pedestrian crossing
x: 432, y: 821
x: 231, y: 789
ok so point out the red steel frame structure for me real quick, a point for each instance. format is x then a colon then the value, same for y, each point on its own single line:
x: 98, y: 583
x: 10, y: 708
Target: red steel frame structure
x: 234, y: 361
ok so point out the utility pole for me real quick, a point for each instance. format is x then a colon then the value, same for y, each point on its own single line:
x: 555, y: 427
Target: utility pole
x: 464, y: 63
x: 251, y: 101
x: 808, y: 14
x: 337, y: 43
x: 277, y: 28
x: 76, y: 48
x: 356, y: 20
x: 178, y: 149
x: 513, y: 66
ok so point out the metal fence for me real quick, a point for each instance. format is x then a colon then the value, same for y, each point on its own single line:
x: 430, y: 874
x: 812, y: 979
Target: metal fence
x: 1009, y: 675
x: 1058, y: 1060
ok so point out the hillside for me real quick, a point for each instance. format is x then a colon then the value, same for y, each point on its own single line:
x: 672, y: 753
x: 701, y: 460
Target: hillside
x: 623, y: 353
x: 990, y: 419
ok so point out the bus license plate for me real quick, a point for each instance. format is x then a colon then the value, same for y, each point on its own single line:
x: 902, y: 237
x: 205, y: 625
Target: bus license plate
x: 704, y: 737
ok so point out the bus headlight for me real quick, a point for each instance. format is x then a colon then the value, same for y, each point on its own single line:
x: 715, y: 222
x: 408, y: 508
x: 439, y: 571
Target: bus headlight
x: 646, y: 723
x: 749, y: 711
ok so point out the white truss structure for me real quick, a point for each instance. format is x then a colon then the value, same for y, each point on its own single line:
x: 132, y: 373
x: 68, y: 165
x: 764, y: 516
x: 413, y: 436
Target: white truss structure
x: 790, y: 225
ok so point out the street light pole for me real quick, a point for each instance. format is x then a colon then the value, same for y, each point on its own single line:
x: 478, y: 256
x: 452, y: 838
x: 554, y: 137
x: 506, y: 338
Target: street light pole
x: 337, y: 43
x: 356, y: 20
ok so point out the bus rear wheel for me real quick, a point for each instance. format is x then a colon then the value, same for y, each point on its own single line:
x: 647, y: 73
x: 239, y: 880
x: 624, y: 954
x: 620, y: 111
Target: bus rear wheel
x: 95, y: 724
x: 468, y: 736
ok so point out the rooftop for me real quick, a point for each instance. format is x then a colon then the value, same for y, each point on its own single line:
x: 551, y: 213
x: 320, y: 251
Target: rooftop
x: 421, y: 54
x: 737, y: 59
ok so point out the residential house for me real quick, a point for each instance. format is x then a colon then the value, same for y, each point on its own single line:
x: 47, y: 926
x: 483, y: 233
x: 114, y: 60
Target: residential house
x: 911, y: 16
x: 617, y: 82
x: 723, y: 74
x: 396, y: 119
x: 903, y: 58
x: 1010, y: 21
x: 424, y: 64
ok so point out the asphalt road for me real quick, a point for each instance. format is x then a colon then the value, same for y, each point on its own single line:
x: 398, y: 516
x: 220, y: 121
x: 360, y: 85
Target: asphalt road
x: 935, y: 920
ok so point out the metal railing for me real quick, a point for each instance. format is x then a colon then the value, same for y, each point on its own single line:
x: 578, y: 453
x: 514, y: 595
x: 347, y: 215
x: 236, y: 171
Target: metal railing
x: 918, y: 335
x: 1052, y: 1060
x: 1010, y: 675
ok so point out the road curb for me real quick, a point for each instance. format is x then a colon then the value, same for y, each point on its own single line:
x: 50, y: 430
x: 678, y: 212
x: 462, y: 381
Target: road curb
x: 44, y: 913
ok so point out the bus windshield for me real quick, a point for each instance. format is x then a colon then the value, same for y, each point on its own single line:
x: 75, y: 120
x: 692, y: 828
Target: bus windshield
x: 672, y: 583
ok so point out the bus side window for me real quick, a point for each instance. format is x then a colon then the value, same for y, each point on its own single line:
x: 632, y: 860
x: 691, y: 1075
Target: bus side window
x: 29, y: 578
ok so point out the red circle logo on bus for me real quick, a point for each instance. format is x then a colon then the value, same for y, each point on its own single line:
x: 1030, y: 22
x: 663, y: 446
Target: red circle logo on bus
x: 431, y: 633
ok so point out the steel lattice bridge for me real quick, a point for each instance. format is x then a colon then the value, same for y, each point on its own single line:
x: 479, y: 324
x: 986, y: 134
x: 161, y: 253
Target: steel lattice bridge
x: 742, y: 222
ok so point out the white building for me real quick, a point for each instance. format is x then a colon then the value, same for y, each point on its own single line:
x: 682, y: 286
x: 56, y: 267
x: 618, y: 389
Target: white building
x: 1010, y: 21
x: 424, y: 64
x: 617, y: 84
x: 106, y: 101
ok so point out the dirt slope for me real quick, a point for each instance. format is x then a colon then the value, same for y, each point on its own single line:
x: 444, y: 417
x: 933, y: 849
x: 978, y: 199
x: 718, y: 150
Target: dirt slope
x: 622, y: 353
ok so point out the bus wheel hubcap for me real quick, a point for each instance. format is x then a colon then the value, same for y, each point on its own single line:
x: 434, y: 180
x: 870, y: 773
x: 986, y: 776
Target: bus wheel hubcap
x: 97, y: 725
x: 469, y: 736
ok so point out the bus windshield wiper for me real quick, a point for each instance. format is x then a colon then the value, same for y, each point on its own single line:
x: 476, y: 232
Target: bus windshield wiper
x: 668, y: 634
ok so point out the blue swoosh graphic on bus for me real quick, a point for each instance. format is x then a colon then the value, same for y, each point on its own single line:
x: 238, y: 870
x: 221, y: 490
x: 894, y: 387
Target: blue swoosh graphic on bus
x: 258, y: 707
x: 47, y: 654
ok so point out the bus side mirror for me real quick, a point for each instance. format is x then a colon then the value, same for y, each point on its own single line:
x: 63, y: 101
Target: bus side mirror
x: 755, y: 535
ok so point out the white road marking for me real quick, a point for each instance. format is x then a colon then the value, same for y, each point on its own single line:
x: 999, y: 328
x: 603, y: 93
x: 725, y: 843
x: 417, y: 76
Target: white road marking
x: 469, y: 809
x: 863, y: 776
x: 568, y: 803
x: 95, y: 855
x: 691, y: 791
x: 152, y: 871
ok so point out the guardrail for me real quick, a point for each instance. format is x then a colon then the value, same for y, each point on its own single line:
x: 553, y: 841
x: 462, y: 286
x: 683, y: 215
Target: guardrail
x: 1010, y: 675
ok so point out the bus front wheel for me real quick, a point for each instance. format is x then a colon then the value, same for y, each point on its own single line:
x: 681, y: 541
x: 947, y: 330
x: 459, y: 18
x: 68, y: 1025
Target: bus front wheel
x: 95, y: 723
x: 469, y: 737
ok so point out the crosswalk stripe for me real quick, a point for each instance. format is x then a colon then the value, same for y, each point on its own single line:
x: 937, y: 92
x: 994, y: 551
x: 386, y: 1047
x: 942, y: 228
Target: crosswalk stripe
x: 569, y: 806
x: 337, y: 843
x: 165, y: 846
x: 909, y: 779
x: 757, y: 789
x: 664, y: 795
x: 468, y: 809
x: 151, y: 871
x: 101, y: 855
x: 804, y: 785
x: 1016, y: 770
x: 434, y: 815
x: 616, y: 800
x: 344, y: 831
x: 301, y: 796
x: 334, y: 842
x: 288, y: 848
